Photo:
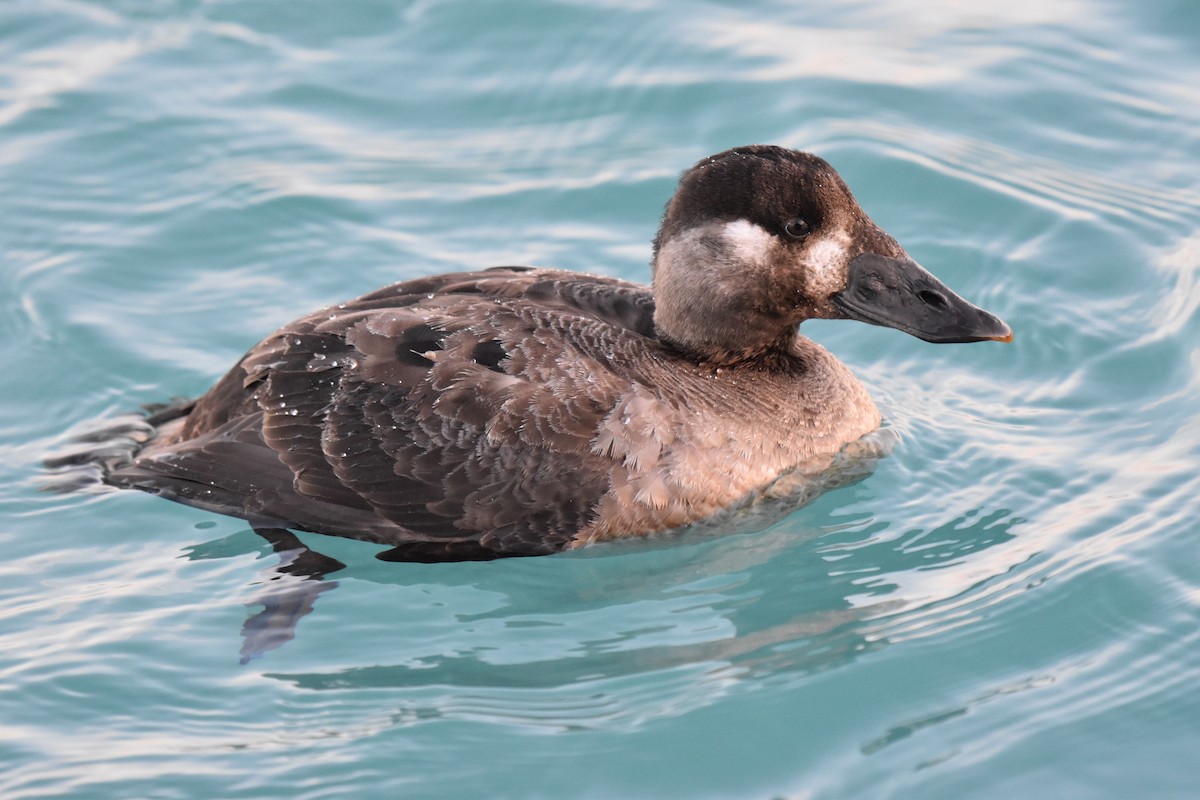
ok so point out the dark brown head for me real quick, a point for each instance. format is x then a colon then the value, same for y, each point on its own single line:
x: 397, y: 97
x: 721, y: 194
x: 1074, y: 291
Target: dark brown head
x: 758, y: 239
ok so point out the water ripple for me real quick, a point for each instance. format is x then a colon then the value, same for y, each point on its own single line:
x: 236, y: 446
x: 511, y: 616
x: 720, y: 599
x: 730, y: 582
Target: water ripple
x: 1069, y: 192
x: 1011, y: 598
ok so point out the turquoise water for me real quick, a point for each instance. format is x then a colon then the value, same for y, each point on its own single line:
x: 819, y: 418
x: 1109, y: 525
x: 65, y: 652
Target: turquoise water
x: 1008, y: 607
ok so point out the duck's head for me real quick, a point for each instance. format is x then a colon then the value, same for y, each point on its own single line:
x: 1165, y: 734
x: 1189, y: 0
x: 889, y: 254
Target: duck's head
x: 758, y: 239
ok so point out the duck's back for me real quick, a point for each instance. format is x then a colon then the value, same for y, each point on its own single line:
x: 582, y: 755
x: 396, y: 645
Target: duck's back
x: 455, y: 416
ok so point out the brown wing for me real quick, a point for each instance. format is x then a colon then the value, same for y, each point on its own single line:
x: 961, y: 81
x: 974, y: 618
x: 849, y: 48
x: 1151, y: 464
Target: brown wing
x: 451, y: 416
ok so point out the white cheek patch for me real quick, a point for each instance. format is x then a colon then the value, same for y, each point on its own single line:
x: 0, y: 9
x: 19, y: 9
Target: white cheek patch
x: 826, y: 261
x: 748, y: 243
x: 743, y: 244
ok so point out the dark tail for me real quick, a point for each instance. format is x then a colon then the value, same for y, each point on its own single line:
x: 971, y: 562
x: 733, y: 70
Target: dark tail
x: 86, y: 457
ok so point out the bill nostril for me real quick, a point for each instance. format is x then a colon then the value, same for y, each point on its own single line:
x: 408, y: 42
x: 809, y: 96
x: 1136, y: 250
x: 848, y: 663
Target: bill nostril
x: 933, y: 299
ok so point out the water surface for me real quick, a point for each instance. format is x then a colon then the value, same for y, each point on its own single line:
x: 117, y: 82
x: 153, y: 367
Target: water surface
x: 1007, y: 607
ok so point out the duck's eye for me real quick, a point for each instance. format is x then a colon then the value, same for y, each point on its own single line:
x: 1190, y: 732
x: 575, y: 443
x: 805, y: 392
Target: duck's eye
x: 797, y: 228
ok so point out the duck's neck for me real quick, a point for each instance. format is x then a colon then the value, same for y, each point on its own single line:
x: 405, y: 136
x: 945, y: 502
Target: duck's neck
x: 778, y: 354
x: 716, y: 298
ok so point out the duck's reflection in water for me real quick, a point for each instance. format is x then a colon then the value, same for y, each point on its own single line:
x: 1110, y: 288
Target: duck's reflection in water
x: 568, y: 642
x: 289, y: 591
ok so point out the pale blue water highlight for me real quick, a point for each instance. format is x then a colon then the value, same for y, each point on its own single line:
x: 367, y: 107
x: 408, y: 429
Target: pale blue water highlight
x: 1008, y: 607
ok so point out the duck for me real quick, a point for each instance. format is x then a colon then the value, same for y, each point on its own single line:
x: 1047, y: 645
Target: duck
x: 520, y: 411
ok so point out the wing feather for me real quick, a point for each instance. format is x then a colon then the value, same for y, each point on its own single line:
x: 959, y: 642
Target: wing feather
x: 454, y: 416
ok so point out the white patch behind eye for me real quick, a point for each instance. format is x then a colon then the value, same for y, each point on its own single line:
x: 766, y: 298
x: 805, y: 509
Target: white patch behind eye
x: 748, y: 243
